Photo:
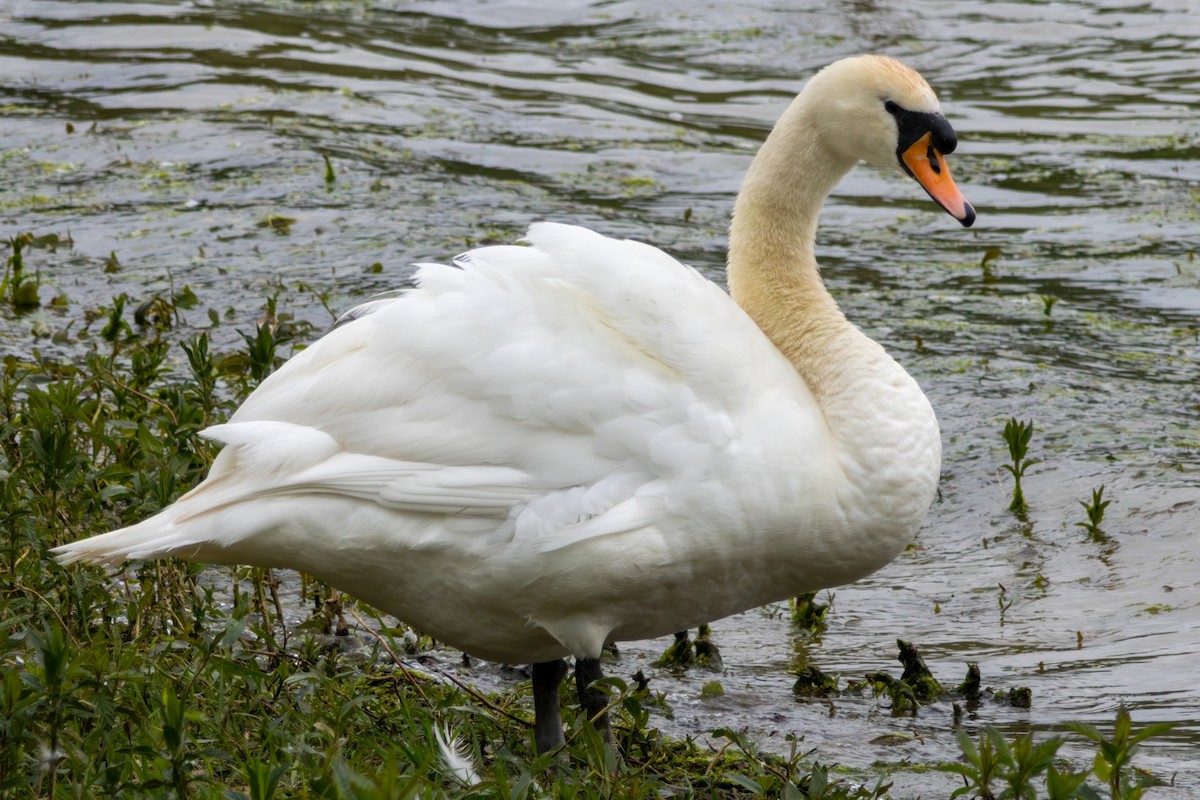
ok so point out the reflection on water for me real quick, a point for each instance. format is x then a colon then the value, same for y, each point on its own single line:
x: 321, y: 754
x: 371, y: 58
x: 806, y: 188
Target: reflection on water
x: 450, y: 123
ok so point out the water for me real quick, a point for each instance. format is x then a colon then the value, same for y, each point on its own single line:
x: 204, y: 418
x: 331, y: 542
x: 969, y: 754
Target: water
x: 452, y: 123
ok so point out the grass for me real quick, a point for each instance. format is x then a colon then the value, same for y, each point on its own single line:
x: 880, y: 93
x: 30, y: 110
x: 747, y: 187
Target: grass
x: 170, y: 679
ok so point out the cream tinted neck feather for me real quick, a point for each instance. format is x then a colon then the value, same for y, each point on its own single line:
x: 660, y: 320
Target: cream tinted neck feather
x: 772, y: 270
x: 880, y: 422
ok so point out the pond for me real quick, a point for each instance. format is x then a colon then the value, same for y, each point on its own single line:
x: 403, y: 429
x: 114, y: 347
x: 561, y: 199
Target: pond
x: 314, y: 151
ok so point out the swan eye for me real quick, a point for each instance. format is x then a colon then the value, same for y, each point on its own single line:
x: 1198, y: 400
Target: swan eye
x: 892, y: 107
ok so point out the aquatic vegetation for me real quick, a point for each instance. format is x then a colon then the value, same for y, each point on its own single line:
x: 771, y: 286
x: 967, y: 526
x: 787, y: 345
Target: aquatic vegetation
x: 917, y: 686
x: 707, y: 653
x: 916, y: 674
x: 1016, y: 764
x: 679, y: 655
x: 990, y: 257
x: 683, y: 652
x: 970, y: 689
x: 1017, y: 435
x: 1003, y: 602
x: 1025, y: 767
x: 1017, y: 697
x: 902, y: 696
x: 261, y: 345
x: 17, y: 287
x: 1095, y: 514
x: 1113, y: 761
x: 807, y: 614
x: 279, y: 223
x: 812, y: 682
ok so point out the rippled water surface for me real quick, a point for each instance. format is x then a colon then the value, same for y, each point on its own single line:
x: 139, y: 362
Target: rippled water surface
x: 171, y: 135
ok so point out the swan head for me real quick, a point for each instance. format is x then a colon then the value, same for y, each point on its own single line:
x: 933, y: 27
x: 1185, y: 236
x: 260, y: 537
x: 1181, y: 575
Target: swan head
x: 876, y: 109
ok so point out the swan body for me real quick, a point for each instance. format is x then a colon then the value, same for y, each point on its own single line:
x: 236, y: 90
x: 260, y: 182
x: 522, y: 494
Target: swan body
x: 543, y: 448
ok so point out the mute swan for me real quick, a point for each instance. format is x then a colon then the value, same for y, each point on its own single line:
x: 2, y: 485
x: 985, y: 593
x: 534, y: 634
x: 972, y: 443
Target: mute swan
x: 545, y: 448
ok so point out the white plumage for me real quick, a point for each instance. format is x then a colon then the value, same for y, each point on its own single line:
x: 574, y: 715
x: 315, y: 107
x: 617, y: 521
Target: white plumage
x: 544, y: 447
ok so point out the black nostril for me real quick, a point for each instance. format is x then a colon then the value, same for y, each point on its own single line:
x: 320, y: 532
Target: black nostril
x: 944, y: 138
x: 935, y: 163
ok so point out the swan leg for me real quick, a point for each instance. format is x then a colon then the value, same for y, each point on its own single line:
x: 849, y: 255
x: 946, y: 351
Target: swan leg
x: 593, y: 699
x: 547, y: 723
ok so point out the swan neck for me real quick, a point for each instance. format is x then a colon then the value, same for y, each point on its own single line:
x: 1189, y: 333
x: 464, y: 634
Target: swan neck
x: 883, y: 436
x: 772, y: 270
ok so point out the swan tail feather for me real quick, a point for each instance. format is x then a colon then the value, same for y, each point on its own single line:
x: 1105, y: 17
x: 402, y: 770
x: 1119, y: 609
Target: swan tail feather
x: 157, y: 537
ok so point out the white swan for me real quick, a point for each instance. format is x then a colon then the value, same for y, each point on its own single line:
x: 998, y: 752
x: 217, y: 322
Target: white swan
x: 544, y: 448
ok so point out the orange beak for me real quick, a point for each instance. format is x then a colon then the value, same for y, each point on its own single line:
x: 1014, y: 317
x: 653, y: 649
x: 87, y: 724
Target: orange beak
x: 923, y: 161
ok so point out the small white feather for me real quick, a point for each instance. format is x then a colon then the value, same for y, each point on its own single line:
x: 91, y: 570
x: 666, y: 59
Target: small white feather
x: 454, y: 754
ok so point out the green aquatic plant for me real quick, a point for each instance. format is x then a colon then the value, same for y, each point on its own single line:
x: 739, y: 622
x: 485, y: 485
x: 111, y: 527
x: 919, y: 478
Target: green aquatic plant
x: 812, y: 682
x: 1003, y: 602
x: 902, y: 696
x: 991, y: 255
x: 18, y: 288
x: 682, y: 653
x: 1095, y: 513
x: 155, y: 312
x: 708, y: 655
x: 756, y: 774
x: 261, y: 346
x: 280, y: 223
x: 980, y: 766
x: 917, y: 674
x: 994, y: 760
x: 1048, y: 302
x: 915, y: 687
x: 679, y: 654
x: 971, y: 688
x: 1026, y: 768
x: 1114, y: 755
x: 1017, y: 436
x: 1017, y: 697
x: 807, y: 614
x: 115, y: 326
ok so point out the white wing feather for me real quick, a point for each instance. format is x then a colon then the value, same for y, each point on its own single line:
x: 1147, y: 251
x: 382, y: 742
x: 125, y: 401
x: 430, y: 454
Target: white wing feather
x: 561, y: 390
x: 548, y: 386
